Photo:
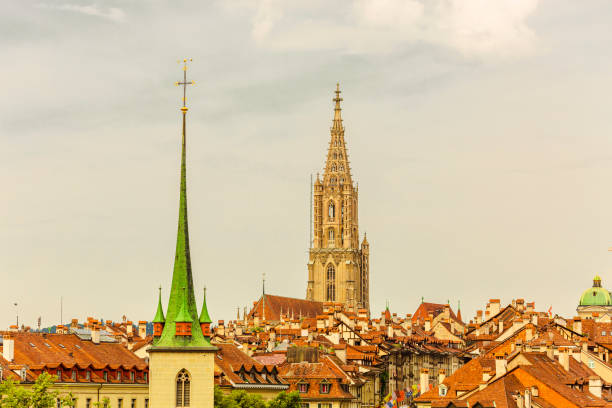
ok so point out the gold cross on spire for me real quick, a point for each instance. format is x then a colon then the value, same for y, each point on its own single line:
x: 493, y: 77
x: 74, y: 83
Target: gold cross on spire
x: 184, y: 83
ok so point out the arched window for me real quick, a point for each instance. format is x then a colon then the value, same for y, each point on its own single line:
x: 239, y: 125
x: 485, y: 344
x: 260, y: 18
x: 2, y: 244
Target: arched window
x: 331, y: 283
x: 335, y: 156
x: 341, y: 167
x: 333, y: 167
x: 183, y: 389
x: 330, y: 236
x: 331, y: 211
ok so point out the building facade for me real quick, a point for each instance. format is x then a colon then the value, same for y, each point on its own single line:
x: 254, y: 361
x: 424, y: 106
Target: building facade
x: 338, y: 265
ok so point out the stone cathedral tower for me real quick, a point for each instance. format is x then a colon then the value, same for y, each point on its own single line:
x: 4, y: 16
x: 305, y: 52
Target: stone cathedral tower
x: 338, y: 266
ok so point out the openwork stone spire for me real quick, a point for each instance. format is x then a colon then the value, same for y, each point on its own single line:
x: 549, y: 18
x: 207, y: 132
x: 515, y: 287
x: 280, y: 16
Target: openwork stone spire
x: 337, y: 166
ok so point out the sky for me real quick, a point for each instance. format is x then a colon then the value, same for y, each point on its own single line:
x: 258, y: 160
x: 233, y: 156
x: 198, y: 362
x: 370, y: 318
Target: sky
x: 479, y: 132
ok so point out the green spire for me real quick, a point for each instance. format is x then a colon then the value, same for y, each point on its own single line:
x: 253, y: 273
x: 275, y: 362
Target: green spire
x: 204, y: 317
x: 182, y: 305
x: 183, y: 316
x: 159, y: 316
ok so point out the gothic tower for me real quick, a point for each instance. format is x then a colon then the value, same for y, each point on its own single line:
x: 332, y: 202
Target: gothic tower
x: 338, y: 266
x: 181, y: 361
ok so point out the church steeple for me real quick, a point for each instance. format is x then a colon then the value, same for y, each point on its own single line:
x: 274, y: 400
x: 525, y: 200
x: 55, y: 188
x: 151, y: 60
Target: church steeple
x: 337, y: 166
x: 182, y: 309
x: 343, y: 277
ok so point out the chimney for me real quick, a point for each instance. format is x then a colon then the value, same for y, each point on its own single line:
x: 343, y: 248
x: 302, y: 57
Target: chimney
x: 424, y: 383
x: 142, y: 329
x: 550, y: 351
x: 527, y: 398
x: 95, y: 334
x: 595, y: 385
x: 427, y: 323
x: 494, y: 306
x: 478, y: 316
x: 564, y: 358
x: 441, y: 376
x: 221, y: 328
x: 501, y: 327
x: 8, y: 349
x: 486, y: 374
x: 500, y: 365
x: 577, y: 326
x: 74, y: 324
x: 129, y: 328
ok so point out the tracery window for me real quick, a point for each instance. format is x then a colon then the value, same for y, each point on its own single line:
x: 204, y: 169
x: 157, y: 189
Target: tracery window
x: 331, y: 283
x: 183, y: 389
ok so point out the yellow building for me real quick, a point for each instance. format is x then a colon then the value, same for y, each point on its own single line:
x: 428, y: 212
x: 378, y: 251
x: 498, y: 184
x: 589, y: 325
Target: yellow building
x: 181, y: 361
x: 338, y: 266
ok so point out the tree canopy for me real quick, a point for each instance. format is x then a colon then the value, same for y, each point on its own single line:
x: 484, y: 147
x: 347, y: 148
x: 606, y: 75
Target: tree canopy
x: 39, y: 395
x: 242, y: 399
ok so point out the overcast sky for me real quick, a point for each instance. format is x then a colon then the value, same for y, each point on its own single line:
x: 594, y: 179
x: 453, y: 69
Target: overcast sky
x: 479, y: 132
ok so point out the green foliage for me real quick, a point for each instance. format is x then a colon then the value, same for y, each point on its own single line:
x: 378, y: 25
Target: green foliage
x: 286, y: 400
x: 105, y: 403
x: 242, y: 399
x: 39, y: 396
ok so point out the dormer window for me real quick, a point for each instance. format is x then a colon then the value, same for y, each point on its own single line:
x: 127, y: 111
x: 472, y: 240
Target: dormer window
x: 325, y: 387
x: 88, y: 375
x: 442, y: 390
x: 74, y: 375
x: 302, y: 387
x: 118, y: 375
x: 132, y: 376
x: 59, y: 375
x: 105, y: 376
x: 146, y: 377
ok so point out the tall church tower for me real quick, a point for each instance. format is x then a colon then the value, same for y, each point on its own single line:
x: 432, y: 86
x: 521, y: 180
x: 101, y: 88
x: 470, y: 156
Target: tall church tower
x: 181, y: 359
x: 338, y: 266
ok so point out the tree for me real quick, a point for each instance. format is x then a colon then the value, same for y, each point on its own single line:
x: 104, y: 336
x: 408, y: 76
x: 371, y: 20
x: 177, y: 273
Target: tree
x: 242, y: 399
x: 40, y: 396
x: 105, y: 403
x: 286, y: 400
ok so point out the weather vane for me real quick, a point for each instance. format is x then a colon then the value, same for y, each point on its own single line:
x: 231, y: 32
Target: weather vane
x: 184, y: 83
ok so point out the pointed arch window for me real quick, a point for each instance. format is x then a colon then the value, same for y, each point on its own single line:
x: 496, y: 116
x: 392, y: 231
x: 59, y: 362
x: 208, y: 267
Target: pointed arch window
x: 331, y: 283
x: 183, y: 389
x: 331, y: 211
x: 330, y: 237
x: 341, y: 167
x: 333, y: 167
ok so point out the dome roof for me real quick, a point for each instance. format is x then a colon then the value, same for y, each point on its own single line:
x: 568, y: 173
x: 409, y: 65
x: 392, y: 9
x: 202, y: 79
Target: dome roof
x: 596, y: 296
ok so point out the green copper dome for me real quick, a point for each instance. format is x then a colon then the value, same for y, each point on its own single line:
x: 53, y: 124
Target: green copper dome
x: 596, y: 296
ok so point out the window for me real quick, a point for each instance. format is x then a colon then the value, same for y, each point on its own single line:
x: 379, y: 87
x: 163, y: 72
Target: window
x: 133, y: 402
x: 331, y: 211
x: 442, y: 389
x: 325, y: 387
x: 182, y: 389
x: 603, y: 333
x: 330, y: 237
x: 58, y: 403
x: 146, y: 403
x: 324, y: 405
x: 120, y: 403
x: 106, y: 376
x: 74, y: 375
x: 88, y: 375
x: 59, y: 375
x: 88, y: 403
x: 132, y: 376
x: 118, y: 375
x: 303, y: 387
x: 331, y: 283
x: 333, y: 167
x: 304, y: 405
x: 146, y: 377
x: 591, y: 364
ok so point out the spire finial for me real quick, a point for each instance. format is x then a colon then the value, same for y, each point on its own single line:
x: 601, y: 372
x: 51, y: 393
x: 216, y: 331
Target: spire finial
x: 263, y: 283
x: 184, y: 83
x: 337, y: 115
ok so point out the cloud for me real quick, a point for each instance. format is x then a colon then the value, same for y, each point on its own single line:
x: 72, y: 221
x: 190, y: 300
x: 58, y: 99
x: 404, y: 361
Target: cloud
x: 476, y: 28
x: 111, y: 13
